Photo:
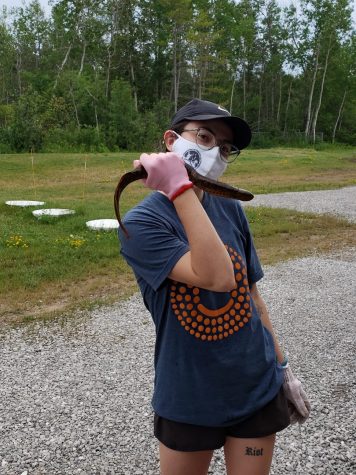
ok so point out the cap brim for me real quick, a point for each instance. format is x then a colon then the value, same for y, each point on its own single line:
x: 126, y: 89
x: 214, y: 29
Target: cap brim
x: 241, y: 130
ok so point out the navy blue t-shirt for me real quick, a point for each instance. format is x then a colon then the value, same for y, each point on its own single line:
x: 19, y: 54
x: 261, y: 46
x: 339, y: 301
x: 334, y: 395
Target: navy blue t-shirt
x: 215, y: 363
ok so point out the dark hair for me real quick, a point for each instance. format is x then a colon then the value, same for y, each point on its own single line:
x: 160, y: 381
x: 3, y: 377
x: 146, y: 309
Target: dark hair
x: 180, y: 126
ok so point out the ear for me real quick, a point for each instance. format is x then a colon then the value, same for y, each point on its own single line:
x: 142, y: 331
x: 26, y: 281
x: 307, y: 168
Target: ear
x: 169, y: 137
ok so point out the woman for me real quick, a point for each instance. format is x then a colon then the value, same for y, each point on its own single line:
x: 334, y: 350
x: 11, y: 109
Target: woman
x: 221, y: 379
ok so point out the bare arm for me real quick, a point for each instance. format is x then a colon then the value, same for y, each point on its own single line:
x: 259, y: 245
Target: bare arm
x: 207, y: 264
x: 263, y: 312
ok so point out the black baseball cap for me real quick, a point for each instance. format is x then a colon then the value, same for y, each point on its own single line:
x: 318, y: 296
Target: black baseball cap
x: 197, y: 109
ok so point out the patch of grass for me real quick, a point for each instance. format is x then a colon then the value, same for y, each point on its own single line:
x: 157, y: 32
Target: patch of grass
x: 282, y: 169
x: 282, y: 234
x: 51, y: 265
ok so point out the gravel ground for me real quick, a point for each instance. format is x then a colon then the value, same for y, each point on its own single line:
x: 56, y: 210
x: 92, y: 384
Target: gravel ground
x: 341, y: 202
x: 75, y: 392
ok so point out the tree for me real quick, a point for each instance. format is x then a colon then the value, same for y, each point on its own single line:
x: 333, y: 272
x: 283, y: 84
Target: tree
x: 7, y: 64
x: 30, y: 31
x: 110, y: 73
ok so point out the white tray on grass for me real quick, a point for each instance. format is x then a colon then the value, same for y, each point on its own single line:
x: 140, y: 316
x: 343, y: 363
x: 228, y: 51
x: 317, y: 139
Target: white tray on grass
x: 52, y: 212
x: 104, y: 224
x: 24, y: 203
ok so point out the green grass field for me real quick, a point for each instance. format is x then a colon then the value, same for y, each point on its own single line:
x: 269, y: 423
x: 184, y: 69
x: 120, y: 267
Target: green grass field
x: 51, y: 265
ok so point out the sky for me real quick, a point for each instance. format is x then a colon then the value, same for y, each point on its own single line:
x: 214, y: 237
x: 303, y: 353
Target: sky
x: 46, y: 7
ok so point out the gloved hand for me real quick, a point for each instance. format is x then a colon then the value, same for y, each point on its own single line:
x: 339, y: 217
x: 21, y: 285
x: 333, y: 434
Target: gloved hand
x: 298, y: 404
x: 166, y: 172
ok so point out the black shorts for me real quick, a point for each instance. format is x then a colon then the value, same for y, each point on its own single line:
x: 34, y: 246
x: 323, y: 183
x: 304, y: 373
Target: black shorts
x: 271, y: 418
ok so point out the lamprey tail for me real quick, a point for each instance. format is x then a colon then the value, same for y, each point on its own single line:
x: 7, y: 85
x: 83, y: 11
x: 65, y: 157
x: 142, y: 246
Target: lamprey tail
x: 206, y: 184
x: 129, y: 177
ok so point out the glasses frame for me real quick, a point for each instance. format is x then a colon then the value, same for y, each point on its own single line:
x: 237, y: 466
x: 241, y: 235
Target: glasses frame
x: 235, y: 153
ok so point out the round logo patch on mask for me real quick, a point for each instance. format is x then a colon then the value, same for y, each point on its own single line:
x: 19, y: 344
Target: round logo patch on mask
x: 192, y: 157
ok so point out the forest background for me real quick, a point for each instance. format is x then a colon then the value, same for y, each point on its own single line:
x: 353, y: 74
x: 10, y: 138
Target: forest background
x: 107, y: 75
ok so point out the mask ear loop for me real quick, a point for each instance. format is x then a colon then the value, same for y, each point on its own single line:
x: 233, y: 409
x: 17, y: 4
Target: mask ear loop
x: 175, y: 133
x: 164, y: 138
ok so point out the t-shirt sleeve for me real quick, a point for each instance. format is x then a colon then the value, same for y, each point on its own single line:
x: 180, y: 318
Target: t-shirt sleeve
x: 152, y: 248
x: 254, y: 268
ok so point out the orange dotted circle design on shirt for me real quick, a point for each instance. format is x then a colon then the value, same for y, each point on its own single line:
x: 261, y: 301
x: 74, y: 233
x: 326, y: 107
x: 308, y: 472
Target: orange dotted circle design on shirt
x: 212, y: 325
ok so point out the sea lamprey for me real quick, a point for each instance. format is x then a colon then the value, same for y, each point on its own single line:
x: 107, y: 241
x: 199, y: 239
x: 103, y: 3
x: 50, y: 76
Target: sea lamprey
x: 204, y: 183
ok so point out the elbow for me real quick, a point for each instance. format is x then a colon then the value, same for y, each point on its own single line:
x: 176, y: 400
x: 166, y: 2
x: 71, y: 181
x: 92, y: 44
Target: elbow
x: 227, y: 286
x: 232, y: 284
x: 224, y: 284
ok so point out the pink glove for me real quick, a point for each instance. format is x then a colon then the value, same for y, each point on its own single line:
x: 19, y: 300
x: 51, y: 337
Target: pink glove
x: 299, y: 406
x: 166, y: 172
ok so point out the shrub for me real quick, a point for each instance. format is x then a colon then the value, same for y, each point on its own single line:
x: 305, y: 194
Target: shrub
x: 85, y: 139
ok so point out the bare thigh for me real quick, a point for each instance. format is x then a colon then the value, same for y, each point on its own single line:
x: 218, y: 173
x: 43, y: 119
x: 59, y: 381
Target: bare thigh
x: 175, y: 462
x: 249, y: 456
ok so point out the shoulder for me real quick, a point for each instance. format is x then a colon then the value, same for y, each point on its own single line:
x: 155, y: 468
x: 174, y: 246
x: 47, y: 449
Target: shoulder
x: 152, y: 218
x: 227, y: 206
x: 154, y: 205
x: 221, y: 201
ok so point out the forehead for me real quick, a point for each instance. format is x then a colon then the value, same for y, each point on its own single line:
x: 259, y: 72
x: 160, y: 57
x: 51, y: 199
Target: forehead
x: 220, y: 129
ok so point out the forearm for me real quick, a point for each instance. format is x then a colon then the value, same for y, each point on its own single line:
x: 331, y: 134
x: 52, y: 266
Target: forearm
x: 298, y: 404
x: 266, y: 321
x: 209, y: 258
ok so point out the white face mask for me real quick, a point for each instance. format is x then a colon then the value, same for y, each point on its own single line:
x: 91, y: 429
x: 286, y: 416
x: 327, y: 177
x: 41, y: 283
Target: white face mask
x: 206, y: 162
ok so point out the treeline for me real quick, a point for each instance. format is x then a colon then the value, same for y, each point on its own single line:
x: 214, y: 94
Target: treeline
x: 107, y: 75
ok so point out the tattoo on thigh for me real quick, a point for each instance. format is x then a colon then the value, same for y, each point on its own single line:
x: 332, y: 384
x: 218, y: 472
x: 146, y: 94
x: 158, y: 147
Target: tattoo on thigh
x: 253, y: 451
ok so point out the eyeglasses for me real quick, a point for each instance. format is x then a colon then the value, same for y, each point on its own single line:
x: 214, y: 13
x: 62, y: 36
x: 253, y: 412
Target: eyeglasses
x: 206, y: 140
